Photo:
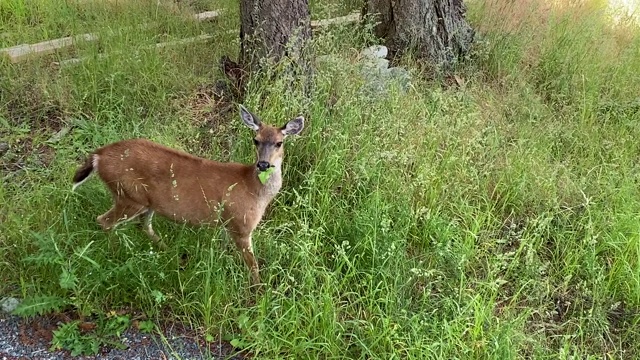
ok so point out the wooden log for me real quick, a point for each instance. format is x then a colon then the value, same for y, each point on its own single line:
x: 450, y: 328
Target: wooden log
x: 190, y: 40
x: 347, y: 19
x: 207, y: 15
x: 25, y: 51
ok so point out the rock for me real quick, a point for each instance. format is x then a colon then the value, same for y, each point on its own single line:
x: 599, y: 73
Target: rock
x: 4, y: 147
x: 375, y: 71
x: 377, y: 74
x: 375, y: 64
x: 375, y: 52
x: 373, y: 60
x: 401, y: 76
x: 9, y: 304
x: 59, y: 135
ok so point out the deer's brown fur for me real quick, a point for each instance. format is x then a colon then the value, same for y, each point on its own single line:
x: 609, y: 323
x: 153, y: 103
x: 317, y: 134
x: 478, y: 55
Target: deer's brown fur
x: 147, y: 178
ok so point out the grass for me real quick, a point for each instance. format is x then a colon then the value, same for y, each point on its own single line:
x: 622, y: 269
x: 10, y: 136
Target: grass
x: 498, y: 219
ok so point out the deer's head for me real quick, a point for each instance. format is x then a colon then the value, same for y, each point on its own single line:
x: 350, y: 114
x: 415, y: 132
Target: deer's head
x: 269, y: 139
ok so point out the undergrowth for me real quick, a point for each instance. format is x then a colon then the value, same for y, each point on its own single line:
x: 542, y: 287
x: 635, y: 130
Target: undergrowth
x: 493, y: 219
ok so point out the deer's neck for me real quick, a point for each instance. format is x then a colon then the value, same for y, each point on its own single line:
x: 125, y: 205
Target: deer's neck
x: 272, y: 186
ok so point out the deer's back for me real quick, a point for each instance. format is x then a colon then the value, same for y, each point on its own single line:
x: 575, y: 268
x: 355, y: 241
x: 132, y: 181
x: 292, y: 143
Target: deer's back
x: 176, y: 184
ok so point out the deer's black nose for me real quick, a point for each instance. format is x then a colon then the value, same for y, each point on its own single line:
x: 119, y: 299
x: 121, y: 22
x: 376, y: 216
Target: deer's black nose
x: 263, y: 165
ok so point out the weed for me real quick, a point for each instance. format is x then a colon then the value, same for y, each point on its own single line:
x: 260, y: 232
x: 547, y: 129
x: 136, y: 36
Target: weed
x: 68, y: 337
x: 71, y: 336
x: 146, y: 326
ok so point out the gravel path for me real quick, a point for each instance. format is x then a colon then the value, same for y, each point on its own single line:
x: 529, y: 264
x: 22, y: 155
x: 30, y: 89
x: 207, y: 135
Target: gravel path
x: 29, y: 339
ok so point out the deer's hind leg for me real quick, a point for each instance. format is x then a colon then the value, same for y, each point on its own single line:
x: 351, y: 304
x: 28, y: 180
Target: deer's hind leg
x: 147, y: 226
x: 122, y: 211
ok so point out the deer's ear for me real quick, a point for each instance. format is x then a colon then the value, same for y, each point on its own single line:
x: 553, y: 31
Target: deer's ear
x: 293, y: 127
x: 249, y: 118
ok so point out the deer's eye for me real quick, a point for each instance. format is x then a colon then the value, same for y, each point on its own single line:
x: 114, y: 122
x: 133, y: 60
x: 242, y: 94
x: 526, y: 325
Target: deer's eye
x: 279, y: 144
x: 256, y: 142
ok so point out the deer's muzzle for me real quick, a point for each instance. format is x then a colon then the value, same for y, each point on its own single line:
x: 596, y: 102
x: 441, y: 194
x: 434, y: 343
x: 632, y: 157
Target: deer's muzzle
x: 263, y: 165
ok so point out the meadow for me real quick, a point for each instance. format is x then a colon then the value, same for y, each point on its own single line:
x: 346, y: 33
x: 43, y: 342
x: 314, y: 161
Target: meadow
x: 492, y: 217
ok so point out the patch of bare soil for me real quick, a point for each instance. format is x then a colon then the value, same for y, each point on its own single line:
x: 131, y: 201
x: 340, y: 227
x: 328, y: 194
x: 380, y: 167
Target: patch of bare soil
x: 212, y: 113
x: 23, y: 154
x: 32, y: 117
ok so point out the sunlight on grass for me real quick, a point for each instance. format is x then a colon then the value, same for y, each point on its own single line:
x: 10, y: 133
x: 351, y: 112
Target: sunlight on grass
x: 624, y: 10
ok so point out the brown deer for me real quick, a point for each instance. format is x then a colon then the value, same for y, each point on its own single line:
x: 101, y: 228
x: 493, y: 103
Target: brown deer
x: 147, y: 178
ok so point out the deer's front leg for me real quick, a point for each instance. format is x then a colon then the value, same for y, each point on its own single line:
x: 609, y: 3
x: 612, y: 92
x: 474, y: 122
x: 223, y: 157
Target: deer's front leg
x: 245, y: 246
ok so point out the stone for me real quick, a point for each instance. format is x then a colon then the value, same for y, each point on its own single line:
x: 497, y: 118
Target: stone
x: 377, y: 74
x: 59, y: 135
x: 4, y: 147
x: 375, y: 51
x: 401, y: 76
x: 9, y: 304
x: 371, y: 65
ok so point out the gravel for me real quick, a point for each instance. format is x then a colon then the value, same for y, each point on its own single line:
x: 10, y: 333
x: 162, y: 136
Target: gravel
x: 30, y: 339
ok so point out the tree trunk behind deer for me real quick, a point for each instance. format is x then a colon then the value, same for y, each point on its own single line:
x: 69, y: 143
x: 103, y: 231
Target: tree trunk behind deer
x: 270, y: 31
x: 273, y: 29
x: 436, y: 29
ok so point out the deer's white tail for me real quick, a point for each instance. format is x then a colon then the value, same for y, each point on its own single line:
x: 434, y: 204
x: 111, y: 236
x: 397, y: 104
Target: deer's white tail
x: 82, y: 174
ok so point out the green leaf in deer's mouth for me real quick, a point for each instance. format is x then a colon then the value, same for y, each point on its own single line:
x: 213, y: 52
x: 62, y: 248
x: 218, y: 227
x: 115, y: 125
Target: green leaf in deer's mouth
x: 265, y: 175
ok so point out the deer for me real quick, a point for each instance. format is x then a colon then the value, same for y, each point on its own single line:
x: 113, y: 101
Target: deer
x: 146, y: 178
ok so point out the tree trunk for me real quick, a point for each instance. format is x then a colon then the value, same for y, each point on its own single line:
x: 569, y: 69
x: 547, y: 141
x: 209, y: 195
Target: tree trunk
x: 273, y: 29
x: 269, y: 31
x: 435, y: 29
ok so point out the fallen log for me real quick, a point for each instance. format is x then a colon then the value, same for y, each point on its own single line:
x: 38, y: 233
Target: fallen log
x: 23, y: 52
x: 347, y: 19
x: 190, y: 40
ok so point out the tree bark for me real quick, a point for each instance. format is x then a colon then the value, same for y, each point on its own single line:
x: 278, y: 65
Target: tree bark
x: 269, y: 31
x: 435, y: 29
x: 273, y: 29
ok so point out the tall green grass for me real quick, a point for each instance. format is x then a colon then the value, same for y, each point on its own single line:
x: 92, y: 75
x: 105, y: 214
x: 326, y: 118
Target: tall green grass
x: 494, y: 220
